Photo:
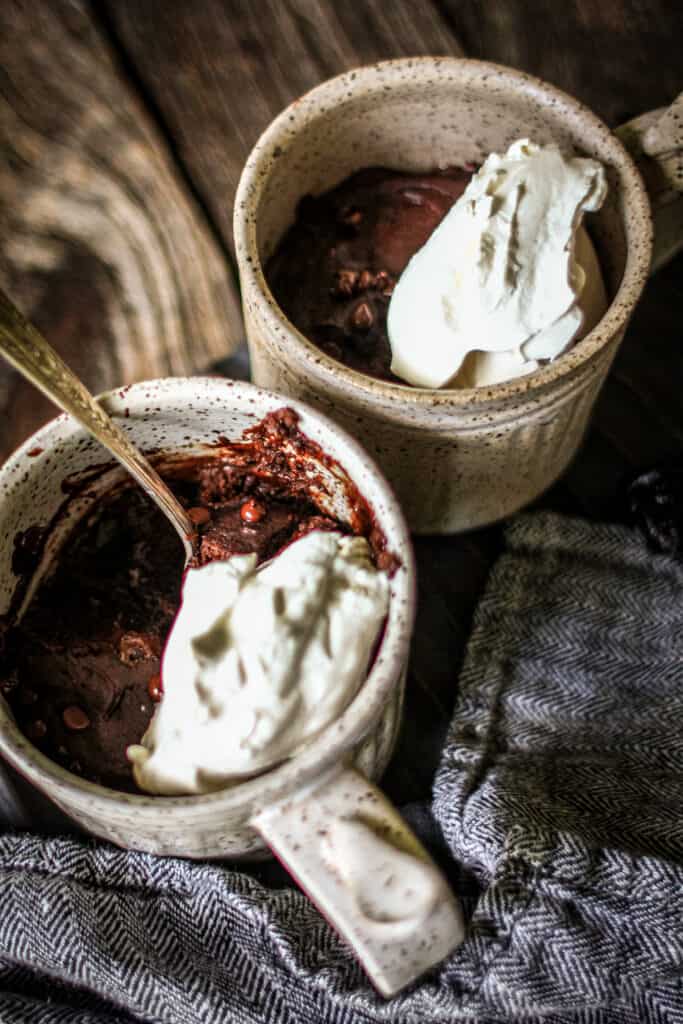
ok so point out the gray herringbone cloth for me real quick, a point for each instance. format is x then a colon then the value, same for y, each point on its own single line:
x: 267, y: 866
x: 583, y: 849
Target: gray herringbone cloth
x: 560, y: 789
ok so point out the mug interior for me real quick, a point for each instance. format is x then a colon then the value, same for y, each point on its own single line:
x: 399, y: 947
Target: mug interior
x: 179, y: 417
x: 426, y: 113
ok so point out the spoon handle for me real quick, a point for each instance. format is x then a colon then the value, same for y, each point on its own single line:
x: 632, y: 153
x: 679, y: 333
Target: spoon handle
x: 28, y: 351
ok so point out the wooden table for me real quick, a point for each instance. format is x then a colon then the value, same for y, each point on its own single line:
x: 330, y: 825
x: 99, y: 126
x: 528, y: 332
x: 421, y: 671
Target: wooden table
x: 124, y: 125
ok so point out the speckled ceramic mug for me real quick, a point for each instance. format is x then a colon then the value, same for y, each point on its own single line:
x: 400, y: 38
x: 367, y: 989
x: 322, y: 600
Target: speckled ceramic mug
x: 457, y: 458
x: 318, y: 812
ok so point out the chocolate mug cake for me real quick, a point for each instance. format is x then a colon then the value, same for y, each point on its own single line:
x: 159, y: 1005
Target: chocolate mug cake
x: 458, y: 456
x: 327, y: 778
x: 81, y: 671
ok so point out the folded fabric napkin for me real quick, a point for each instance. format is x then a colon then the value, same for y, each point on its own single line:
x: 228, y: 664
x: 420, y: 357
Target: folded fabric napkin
x: 560, y: 788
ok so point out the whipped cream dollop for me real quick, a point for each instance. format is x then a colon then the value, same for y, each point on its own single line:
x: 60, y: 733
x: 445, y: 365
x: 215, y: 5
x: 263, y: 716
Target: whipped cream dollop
x: 260, y: 659
x: 508, y: 279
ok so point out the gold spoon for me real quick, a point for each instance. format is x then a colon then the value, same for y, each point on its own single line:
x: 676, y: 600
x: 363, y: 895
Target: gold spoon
x: 28, y: 351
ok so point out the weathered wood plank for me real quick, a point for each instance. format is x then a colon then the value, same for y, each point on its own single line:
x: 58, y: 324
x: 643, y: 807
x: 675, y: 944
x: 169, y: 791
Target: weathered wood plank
x: 621, y: 57
x: 100, y: 243
x: 221, y: 70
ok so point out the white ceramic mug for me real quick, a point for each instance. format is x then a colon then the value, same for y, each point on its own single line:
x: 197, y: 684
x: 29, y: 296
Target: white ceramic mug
x: 332, y: 828
x: 457, y: 458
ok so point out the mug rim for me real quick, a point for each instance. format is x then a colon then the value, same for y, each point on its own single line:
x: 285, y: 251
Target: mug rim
x: 336, y: 740
x: 257, y: 294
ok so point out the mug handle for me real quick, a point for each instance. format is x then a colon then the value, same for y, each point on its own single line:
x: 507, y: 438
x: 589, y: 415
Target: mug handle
x: 655, y: 141
x: 368, y: 874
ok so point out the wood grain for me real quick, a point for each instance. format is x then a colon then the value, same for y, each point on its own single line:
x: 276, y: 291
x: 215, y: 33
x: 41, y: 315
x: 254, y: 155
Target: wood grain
x: 620, y: 57
x: 221, y: 70
x: 101, y: 244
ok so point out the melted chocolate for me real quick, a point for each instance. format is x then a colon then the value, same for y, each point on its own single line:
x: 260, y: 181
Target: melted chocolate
x: 81, y: 670
x: 335, y: 269
x: 91, y: 639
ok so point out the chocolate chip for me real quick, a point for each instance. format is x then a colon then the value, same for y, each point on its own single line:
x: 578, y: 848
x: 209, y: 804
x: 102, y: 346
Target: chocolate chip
x: 366, y: 280
x: 252, y: 511
x: 154, y: 688
x: 75, y: 718
x: 26, y: 696
x: 362, y: 317
x: 36, y: 730
x: 199, y: 516
x: 383, y: 281
x: 345, y: 283
x: 351, y: 216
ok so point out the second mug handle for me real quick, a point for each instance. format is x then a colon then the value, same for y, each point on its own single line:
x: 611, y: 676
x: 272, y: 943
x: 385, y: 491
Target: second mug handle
x: 655, y: 141
x: 368, y: 874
